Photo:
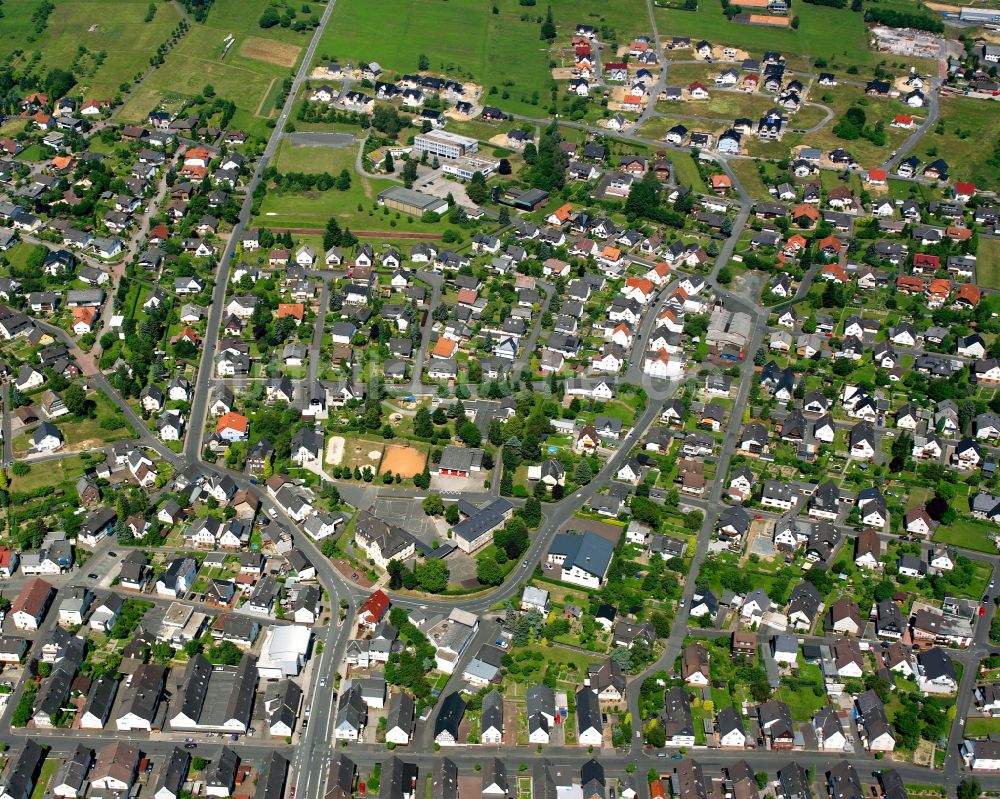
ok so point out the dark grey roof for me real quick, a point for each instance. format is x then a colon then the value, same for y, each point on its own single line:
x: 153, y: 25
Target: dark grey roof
x: 677, y: 719
x: 73, y: 770
x: 19, y: 779
x: 793, y: 782
x: 541, y: 699
x: 487, y: 518
x: 222, y: 771
x: 444, y: 779
x: 492, y: 715
x: 174, y: 772
x: 271, y: 782
x: 101, y: 697
x: 450, y: 715
x: 728, y: 720
x: 400, y: 712
x: 588, y: 711
x: 589, y: 552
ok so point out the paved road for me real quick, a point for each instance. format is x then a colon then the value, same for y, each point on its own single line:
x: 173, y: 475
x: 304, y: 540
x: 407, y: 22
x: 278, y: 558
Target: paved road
x: 436, y: 282
x: 527, y: 346
x: 933, y: 111
x: 199, y: 404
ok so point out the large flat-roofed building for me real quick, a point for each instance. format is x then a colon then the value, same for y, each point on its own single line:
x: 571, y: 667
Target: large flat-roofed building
x: 465, y: 167
x: 444, y: 144
x: 968, y: 14
x: 411, y: 202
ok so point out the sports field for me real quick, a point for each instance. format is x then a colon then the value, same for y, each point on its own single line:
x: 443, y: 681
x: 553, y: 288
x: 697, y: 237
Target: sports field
x: 402, y: 460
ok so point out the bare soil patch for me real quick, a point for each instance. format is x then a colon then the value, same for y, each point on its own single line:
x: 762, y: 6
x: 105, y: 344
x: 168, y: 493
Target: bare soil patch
x: 270, y: 51
x: 402, y: 460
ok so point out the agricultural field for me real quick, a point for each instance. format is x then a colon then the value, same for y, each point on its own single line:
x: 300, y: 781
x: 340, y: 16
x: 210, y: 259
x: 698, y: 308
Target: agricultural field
x: 249, y: 71
x: 115, y: 27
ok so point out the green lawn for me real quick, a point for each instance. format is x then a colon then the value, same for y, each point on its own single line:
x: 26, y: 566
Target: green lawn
x: 557, y: 654
x: 116, y: 27
x: 51, y: 473
x: 48, y: 769
x: 988, y: 264
x: 967, y: 533
x: 967, y: 142
x: 249, y: 72
x: 981, y: 727
x: 797, y: 692
x: 686, y: 171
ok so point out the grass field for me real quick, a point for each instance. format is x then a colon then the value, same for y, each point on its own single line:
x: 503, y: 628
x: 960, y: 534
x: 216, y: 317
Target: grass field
x: 970, y: 135
x: 812, y: 40
x: 839, y: 99
x: 729, y: 105
x: 51, y: 473
x: 353, y: 208
x: 747, y: 172
x: 114, y: 26
x: 464, y: 39
x: 657, y: 127
x: 967, y: 533
x: 313, y: 158
x: 48, y: 769
x: 981, y: 727
x: 249, y: 74
x: 687, y: 172
x: 988, y: 264
x: 313, y: 209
